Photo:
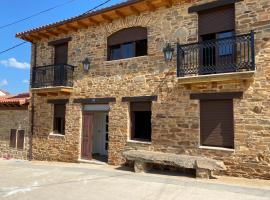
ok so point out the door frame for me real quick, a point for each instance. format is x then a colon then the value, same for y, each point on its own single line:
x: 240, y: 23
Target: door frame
x: 91, y: 140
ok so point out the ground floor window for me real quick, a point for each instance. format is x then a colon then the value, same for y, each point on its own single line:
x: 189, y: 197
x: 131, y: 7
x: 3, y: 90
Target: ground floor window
x: 16, y: 139
x: 217, y: 123
x: 59, y: 118
x: 140, y: 114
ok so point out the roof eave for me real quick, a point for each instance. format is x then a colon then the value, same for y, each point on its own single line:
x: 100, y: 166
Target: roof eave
x: 38, y: 33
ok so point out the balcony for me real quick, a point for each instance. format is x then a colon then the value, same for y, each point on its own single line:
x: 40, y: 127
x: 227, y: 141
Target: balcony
x: 216, y: 60
x: 52, y: 79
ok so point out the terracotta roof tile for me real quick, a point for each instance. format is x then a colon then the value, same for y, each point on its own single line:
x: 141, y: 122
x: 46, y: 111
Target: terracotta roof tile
x: 18, y: 99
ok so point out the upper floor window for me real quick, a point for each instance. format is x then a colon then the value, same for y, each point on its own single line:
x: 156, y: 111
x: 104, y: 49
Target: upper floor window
x: 222, y: 19
x: 60, y: 50
x: 218, y: 45
x: 61, y: 53
x: 127, y: 43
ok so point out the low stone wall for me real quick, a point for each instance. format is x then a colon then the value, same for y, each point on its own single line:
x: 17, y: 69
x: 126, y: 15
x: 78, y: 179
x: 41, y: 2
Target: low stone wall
x: 13, y: 119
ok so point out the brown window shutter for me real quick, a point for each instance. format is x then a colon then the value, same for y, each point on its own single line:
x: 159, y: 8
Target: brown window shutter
x: 140, y: 106
x: 59, y: 110
x: 59, y: 118
x: 61, y: 53
x: 217, y: 20
x: 20, y: 139
x: 217, y: 123
x: 127, y: 35
x: 12, y: 141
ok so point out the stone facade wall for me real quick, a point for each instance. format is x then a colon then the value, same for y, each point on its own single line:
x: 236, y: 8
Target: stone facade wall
x: 13, y: 119
x: 175, y: 118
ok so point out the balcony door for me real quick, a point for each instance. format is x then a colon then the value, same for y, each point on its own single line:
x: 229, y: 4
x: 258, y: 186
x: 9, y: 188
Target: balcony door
x: 60, y: 58
x: 217, y: 53
x: 216, y: 29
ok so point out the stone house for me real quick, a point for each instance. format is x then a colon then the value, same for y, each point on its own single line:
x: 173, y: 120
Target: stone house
x: 187, y: 77
x: 14, y: 126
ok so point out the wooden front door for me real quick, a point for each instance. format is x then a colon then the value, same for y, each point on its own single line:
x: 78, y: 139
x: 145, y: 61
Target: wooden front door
x: 86, y: 149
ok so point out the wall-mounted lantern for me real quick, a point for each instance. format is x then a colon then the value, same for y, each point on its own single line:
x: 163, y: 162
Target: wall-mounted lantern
x: 168, y: 52
x: 86, y: 64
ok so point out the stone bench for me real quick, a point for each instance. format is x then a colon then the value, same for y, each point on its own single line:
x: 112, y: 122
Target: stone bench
x: 203, y: 166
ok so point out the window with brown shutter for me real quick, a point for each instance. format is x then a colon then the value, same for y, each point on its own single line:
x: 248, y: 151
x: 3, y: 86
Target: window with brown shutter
x: 61, y: 53
x: 12, y: 140
x: 20, y: 139
x: 217, y: 123
x: 217, y: 20
x: 140, y: 114
x: 217, y: 24
x: 59, y: 118
x: 127, y: 43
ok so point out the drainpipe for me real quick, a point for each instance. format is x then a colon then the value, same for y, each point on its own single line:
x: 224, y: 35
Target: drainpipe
x: 32, y: 105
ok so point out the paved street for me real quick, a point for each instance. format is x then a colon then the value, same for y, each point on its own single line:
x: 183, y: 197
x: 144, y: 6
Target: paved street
x: 47, y: 181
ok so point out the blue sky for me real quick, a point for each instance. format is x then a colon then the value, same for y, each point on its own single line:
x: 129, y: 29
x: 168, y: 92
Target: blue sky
x: 14, y: 65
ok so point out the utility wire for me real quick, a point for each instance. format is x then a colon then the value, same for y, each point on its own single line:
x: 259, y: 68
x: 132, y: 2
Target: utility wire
x: 13, y: 47
x: 87, y: 12
x: 17, y: 45
x: 36, y: 14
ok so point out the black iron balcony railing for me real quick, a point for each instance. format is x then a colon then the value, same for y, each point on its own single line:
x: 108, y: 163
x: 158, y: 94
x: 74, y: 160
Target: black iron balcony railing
x: 232, y: 54
x: 52, y: 76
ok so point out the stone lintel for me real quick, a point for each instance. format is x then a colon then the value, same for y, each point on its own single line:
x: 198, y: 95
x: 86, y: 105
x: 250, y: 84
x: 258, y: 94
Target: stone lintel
x: 217, y: 95
x: 57, y: 101
x: 95, y: 100
x: 210, y: 5
x: 140, y: 98
x: 61, y: 41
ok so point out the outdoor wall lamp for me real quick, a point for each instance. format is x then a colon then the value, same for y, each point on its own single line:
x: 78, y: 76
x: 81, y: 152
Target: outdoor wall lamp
x: 168, y: 52
x: 86, y: 64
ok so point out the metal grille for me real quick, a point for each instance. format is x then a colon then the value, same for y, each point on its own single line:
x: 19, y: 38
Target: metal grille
x: 232, y: 54
x: 52, y: 76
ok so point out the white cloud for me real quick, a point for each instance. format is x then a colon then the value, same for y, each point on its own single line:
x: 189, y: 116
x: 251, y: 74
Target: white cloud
x: 12, y: 62
x: 25, y: 81
x: 3, y: 82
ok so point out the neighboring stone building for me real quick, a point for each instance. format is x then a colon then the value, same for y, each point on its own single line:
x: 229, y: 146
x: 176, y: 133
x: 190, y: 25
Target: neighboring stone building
x: 14, y: 126
x: 211, y: 99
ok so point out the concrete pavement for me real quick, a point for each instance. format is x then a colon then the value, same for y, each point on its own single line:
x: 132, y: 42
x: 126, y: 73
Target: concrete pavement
x: 48, y: 181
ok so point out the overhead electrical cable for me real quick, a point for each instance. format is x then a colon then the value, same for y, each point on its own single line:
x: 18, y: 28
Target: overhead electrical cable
x: 105, y: 2
x: 15, y: 46
x: 36, y: 14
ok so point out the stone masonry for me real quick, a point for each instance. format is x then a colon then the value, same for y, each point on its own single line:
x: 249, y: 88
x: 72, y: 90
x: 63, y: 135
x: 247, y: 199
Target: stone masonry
x: 175, y: 118
x: 13, y: 119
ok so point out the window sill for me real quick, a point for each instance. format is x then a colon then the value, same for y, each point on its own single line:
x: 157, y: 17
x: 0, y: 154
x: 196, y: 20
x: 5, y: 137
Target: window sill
x: 56, y: 135
x: 125, y: 59
x: 217, y: 148
x: 139, y: 142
